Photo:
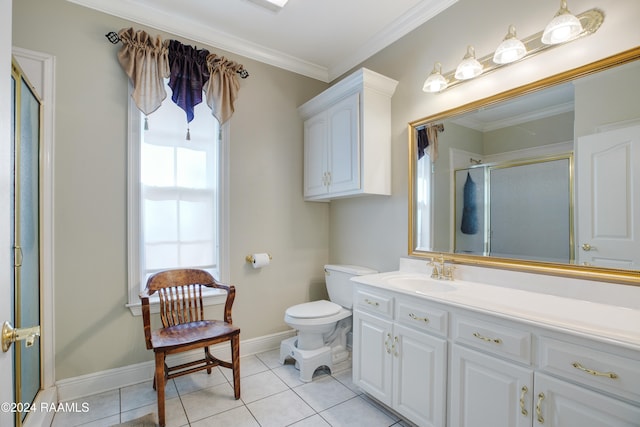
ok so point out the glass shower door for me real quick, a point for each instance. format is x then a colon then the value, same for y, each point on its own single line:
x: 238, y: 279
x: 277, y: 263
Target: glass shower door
x: 27, y: 291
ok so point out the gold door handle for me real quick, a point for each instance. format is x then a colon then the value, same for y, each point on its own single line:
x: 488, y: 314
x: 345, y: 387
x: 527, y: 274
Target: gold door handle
x: 483, y: 338
x: 386, y: 343
x: 539, y: 408
x: 11, y: 335
x: 611, y: 375
x: 522, y: 403
x: 587, y: 247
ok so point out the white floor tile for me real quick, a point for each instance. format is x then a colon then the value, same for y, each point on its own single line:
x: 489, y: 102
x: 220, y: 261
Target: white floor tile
x: 324, y: 393
x: 289, y: 374
x: 199, y: 380
x: 238, y: 417
x: 143, y: 394
x: 281, y: 409
x: 209, y: 401
x: 249, y: 365
x: 314, y: 421
x: 356, y: 412
x: 173, y: 411
x: 272, y: 395
x: 270, y: 358
x: 98, y: 406
x: 260, y: 385
x: 346, y: 378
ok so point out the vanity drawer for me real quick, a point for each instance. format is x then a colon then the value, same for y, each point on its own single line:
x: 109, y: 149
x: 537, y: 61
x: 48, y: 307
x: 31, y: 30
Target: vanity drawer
x: 374, y: 302
x: 421, y: 316
x: 605, y: 371
x: 502, y: 340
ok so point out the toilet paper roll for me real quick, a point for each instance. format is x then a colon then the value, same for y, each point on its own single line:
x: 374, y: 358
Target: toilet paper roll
x: 260, y: 260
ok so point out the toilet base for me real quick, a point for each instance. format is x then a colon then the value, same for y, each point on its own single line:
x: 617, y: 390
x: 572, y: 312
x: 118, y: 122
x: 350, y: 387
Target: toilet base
x: 307, y: 361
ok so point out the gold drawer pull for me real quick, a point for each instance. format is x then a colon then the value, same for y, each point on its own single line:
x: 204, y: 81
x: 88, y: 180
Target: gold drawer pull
x: 483, y: 338
x: 522, y: 404
x: 373, y: 303
x: 611, y: 375
x: 539, y: 408
x: 420, y: 319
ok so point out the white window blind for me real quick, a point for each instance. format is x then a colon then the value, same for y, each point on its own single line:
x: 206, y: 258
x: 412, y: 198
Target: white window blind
x: 174, y: 193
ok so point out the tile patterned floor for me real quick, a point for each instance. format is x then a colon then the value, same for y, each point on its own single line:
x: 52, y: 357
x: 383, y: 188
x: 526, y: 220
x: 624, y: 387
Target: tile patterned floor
x: 272, y: 396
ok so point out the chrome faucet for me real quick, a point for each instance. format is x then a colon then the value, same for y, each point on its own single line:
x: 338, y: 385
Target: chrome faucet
x: 441, y: 271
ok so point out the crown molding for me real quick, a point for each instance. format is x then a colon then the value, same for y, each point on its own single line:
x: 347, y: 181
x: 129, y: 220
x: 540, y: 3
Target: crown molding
x: 409, y: 21
x: 200, y: 33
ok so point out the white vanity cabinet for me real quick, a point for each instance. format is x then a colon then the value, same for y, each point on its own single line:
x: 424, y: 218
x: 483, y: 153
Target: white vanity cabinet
x: 400, y: 354
x: 347, y: 138
x: 498, y: 379
x: 491, y: 376
x: 475, y: 355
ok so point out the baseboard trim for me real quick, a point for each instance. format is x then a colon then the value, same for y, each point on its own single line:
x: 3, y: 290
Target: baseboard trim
x: 112, y: 379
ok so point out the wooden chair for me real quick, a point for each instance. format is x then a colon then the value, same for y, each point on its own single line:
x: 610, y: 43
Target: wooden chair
x: 184, y: 327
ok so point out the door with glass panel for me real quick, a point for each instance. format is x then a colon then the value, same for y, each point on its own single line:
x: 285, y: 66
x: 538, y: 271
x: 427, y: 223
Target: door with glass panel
x: 21, y: 333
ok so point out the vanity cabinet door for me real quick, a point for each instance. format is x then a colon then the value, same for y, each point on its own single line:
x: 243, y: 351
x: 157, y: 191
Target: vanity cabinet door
x: 488, y: 391
x: 561, y: 404
x: 420, y: 375
x: 372, y: 355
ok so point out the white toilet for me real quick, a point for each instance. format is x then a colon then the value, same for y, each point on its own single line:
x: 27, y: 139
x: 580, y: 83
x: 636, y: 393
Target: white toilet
x: 323, y: 326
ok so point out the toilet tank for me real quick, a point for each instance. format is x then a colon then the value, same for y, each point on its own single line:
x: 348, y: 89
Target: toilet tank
x: 339, y: 284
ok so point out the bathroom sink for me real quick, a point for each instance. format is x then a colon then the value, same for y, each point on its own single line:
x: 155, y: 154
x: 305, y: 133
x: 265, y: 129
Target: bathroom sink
x: 420, y: 285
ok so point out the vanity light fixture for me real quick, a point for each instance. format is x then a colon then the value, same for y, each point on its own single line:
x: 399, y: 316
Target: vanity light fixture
x: 563, y: 27
x: 511, y: 49
x: 469, y: 67
x: 436, y: 81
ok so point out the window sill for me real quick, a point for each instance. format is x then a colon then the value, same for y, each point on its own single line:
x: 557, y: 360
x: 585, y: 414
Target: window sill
x: 209, y: 297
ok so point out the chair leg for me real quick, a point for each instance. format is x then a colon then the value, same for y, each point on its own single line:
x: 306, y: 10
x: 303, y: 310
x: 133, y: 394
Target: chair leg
x: 235, y: 362
x: 159, y: 382
x: 207, y: 357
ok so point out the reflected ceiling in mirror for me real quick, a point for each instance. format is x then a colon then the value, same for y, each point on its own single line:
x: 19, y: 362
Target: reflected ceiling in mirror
x: 508, y: 187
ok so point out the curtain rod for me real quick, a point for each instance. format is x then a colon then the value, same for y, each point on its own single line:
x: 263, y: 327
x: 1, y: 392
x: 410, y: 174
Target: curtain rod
x: 114, y: 38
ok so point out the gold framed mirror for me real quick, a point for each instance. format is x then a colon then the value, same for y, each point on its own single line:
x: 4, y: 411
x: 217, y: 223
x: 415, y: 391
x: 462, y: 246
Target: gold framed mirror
x: 568, y: 114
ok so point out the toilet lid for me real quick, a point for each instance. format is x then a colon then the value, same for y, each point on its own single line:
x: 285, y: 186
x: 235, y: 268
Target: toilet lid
x: 312, y: 309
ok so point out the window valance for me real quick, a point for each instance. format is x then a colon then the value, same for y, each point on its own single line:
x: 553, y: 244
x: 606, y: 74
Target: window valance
x: 147, y: 61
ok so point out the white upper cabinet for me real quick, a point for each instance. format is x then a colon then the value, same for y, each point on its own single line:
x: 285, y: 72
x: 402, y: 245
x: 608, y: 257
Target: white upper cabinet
x: 347, y: 138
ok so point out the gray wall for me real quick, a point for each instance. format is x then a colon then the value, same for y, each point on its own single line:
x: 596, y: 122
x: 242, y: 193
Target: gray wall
x: 373, y: 231
x: 94, y: 330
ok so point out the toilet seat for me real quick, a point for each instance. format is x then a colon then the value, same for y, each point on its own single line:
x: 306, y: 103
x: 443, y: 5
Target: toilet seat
x: 313, y: 310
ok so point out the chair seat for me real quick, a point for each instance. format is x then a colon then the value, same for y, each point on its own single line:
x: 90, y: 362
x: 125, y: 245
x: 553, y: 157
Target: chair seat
x: 191, y: 333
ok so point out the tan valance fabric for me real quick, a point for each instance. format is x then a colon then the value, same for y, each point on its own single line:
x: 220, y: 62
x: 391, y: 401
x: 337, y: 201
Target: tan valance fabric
x: 145, y: 61
x: 223, y: 86
x: 432, y: 136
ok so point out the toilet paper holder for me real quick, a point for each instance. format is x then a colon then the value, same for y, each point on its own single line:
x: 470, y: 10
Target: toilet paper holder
x: 251, y: 259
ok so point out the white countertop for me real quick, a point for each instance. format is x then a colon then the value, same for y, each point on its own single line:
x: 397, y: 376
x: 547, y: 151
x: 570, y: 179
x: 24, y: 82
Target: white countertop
x: 603, y: 322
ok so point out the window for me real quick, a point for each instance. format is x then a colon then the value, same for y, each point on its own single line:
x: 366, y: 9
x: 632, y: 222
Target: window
x: 175, y: 190
x: 424, y: 203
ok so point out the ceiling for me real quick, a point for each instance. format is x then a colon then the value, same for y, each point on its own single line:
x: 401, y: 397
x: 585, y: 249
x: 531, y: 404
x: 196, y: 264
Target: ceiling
x: 534, y: 106
x: 321, y: 39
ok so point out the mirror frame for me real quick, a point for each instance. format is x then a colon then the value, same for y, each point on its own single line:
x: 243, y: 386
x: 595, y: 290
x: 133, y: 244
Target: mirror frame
x: 628, y: 277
